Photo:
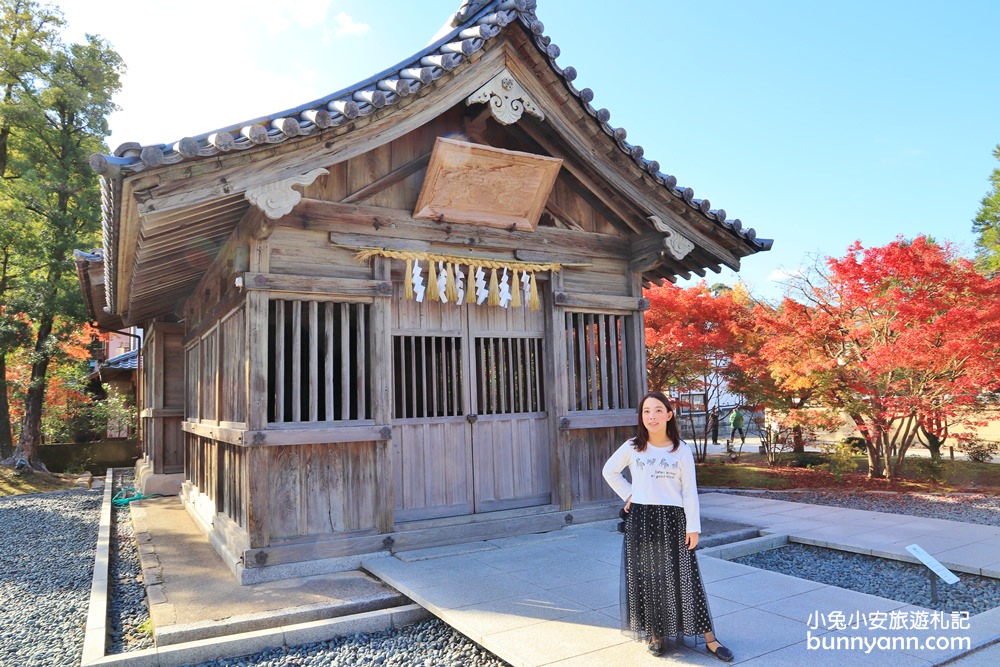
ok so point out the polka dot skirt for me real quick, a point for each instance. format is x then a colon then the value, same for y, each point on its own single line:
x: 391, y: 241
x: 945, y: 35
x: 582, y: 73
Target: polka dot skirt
x: 662, y: 592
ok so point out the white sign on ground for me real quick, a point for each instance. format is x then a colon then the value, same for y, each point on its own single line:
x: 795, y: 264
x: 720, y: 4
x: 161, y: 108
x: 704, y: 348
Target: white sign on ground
x: 933, y: 563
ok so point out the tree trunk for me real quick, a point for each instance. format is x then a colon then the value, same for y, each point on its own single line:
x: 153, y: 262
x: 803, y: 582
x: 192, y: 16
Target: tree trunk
x: 874, y: 460
x: 700, y: 452
x: 934, y: 446
x: 31, y: 425
x: 890, y: 468
x: 798, y: 442
x: 6, y: 435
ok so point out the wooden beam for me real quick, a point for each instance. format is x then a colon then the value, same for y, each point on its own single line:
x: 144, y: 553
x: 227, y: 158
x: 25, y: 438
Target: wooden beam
x: 341, y: 287
x: 355, y: 241
x: 598, y: 301
x: 320, y: 432
x: 561, y: 215
x: 548, y: 258
x: 608, y: 419
x: 389, y: 223
x: 387, y: 181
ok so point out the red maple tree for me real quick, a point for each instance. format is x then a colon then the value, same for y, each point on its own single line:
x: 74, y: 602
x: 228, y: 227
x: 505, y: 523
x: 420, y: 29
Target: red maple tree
x: 894, y: 337
x: 690, y: 339
x: 65, y: 384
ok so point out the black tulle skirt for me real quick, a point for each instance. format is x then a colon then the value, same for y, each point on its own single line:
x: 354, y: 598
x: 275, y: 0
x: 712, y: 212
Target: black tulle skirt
x: 662, y: 594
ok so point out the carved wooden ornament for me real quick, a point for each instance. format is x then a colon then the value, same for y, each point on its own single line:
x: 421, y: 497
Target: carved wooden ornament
x: 482, y: 185
x: 278, y: 199
x: 678, y: 245
x: 507, y: 99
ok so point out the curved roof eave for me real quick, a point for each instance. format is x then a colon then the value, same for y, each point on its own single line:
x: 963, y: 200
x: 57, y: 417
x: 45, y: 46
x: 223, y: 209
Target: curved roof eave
x: 475, y: 23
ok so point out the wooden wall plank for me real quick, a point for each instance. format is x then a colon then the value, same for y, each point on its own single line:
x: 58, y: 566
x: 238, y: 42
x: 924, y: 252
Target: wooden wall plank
x: 284, y: 505
x: 323, y: 491
x: 310, y: 253
x: 331, y: 186
x: 591, y: 448
x: 258, y: 485
x: 368, y: 167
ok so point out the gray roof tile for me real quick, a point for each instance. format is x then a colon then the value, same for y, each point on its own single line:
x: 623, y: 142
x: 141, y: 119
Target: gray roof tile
x: 475, y: 23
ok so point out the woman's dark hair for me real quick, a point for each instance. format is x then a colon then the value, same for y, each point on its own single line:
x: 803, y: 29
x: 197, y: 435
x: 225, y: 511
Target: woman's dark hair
x: 641, y: 438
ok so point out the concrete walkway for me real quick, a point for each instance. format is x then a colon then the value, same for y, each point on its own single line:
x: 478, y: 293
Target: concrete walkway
x: 553, y: 599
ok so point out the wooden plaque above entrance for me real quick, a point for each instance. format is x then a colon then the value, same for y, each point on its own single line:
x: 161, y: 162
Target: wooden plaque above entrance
x: 483, y: 185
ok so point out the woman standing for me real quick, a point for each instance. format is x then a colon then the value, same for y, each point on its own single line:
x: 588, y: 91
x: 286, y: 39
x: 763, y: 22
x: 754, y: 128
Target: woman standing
x: 662, y: 592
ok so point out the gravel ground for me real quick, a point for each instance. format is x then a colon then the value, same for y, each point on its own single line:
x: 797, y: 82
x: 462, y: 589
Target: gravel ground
x: 128, y: 615
x: 47, y: 544
x: 427, y: 644
x: 47, y: 549
x: 896, y: 580
x: 967, y: 507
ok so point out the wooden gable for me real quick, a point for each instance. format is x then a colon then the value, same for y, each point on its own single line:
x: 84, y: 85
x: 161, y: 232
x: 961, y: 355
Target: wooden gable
x: 172, y: 207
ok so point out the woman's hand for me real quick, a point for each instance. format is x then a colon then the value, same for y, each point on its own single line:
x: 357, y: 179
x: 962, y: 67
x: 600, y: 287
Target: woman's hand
x: 628, y: 503
x: 692, y: 540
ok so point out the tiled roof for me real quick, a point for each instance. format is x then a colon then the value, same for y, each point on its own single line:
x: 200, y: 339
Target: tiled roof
x: 126, y: 362
x: 474, y: 24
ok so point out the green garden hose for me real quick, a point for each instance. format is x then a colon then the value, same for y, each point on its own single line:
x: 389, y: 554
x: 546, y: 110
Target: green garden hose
x: 123, y: 497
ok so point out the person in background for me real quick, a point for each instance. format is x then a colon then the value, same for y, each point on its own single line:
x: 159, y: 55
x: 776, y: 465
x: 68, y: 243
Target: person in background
x: 736, y: 424
x: 662, y: 591
x: 713, y: 424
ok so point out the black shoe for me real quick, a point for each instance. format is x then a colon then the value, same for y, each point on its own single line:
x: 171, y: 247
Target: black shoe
x: 722, y: 653
x: 656, y: 646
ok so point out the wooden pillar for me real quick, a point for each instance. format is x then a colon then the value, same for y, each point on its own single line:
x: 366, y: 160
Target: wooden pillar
x: 555, y: 324
x: 163, y: 397
x: 637, y: 340
x: 257, y: 480
x: 381, y: 358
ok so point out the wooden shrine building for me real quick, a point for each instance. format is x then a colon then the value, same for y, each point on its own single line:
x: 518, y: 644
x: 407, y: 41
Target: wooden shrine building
x: 404, y: 315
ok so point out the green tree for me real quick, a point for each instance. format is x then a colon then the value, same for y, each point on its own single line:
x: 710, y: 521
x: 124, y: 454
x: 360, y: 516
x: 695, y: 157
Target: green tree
x: 987, y: 225
x: 27, y: 34
x: 56, y: 104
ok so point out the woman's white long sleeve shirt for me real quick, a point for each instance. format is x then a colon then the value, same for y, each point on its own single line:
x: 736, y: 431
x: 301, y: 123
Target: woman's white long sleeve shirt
x: 659, y: 477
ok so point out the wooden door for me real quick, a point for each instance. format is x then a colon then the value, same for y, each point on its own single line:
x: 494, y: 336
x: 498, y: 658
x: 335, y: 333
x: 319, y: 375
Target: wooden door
x: 510, y: 442
x: 470, y: 429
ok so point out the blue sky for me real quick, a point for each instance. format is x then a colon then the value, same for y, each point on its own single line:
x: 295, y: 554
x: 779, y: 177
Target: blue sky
x: 817, y: 124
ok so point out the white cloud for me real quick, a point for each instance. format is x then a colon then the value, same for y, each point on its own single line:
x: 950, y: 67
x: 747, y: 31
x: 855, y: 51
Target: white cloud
x: 347, y: 26
x: 779, y: 275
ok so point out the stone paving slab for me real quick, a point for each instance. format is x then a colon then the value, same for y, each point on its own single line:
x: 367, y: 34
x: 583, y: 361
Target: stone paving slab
x: 193, y: 596
x: 766, y: 618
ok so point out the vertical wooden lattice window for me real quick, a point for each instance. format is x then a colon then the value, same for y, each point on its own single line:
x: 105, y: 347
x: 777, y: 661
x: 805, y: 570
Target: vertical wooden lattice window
x: 209, y: 375
x: 427, y: 372
x: 598, y: 362
x: 192, y: 382
x: 319, y: 361
x: 509, y: 374
x: 232, y: 356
